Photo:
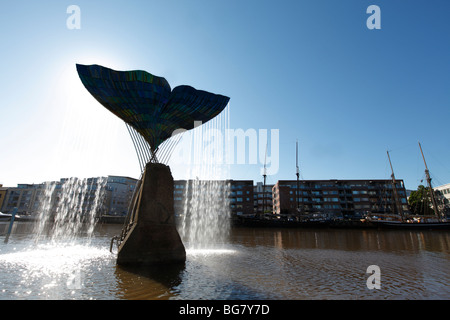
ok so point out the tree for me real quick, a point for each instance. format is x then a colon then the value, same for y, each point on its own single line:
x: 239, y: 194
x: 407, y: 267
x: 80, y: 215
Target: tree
x: 420, y: 201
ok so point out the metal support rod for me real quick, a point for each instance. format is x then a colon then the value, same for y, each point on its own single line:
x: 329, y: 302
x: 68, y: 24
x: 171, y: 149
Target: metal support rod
x: 144, y: 147
x: 130, y: 131
x: 115, y: 238
x: 13, y: 215
x: 138, y: 138
x: 172, y: 147
x: 163, y: 149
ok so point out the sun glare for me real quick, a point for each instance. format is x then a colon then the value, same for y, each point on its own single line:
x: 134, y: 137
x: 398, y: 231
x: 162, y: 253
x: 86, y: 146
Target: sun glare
x: 92, y: 141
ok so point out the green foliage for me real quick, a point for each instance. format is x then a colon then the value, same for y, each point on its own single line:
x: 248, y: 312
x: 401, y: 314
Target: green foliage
x: 420, y: 201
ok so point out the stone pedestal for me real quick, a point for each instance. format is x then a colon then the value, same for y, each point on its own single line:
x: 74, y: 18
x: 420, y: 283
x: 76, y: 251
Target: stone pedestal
x: 153, y: 238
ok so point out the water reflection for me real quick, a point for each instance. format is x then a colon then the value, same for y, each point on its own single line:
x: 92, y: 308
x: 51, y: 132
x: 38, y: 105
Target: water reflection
x: 48, y: 271
x: 254, y: 264
x: 139, y: 283
x: 331, y: 264
x: 349, y: 240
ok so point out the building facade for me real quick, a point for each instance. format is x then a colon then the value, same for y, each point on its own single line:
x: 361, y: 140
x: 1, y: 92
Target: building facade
x: 119, y: 192
x: 237, y: 194
x: 262, y: 198
x: 24, y: 197
x: 344, y: 198
x: 3, y: 192
x: 241, y: 197
x: 443, y: 198
x: 29, y: 199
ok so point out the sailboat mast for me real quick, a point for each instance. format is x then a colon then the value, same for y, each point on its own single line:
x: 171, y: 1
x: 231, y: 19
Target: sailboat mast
x: 298, y: 177
x: 394, y: 189
x: 264, y: 186
x: 427, y: 175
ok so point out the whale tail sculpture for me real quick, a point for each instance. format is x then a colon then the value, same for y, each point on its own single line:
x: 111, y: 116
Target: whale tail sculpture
x: 153, y: 113
x: 147, y: 104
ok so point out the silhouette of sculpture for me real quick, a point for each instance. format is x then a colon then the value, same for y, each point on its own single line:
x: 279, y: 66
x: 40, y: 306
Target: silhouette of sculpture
x: 153, y: 113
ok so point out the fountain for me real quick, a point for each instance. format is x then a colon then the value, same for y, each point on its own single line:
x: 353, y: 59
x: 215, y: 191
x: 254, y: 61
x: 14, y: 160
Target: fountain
x: 154, y: 114
x: 69, y: 208
x: 206, y: 213
x: 205, y: 218
x: 55, y: 260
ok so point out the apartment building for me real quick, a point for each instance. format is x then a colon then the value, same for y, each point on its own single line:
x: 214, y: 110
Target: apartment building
x: 262, y: 198
x: 29, y: 198
x: 339, y: 197
x: 333, y: 197
x: 24, y: 197
x: 119, y: 192
x: 3, y: 191
x: 237, y: 194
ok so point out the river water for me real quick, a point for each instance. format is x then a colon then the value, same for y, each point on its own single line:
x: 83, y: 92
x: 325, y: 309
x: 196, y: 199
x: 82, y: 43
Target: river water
x: 288, y: 264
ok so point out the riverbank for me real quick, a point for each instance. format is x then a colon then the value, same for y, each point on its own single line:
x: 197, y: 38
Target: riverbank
x: 350, y: 223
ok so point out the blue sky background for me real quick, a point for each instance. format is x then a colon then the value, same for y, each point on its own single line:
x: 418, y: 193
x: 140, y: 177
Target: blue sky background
x: 311, y: 69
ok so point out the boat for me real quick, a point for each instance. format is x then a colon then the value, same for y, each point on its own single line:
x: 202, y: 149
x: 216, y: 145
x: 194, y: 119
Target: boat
x: 27, y: 218
x: 412, y: 225
x: 5, y: 216
x: 299, y: 219
x: 282, y: 221
x: 405, y: 222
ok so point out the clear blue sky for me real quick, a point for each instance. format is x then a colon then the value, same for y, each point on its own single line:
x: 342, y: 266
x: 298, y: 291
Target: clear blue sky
x: 311, y: 69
